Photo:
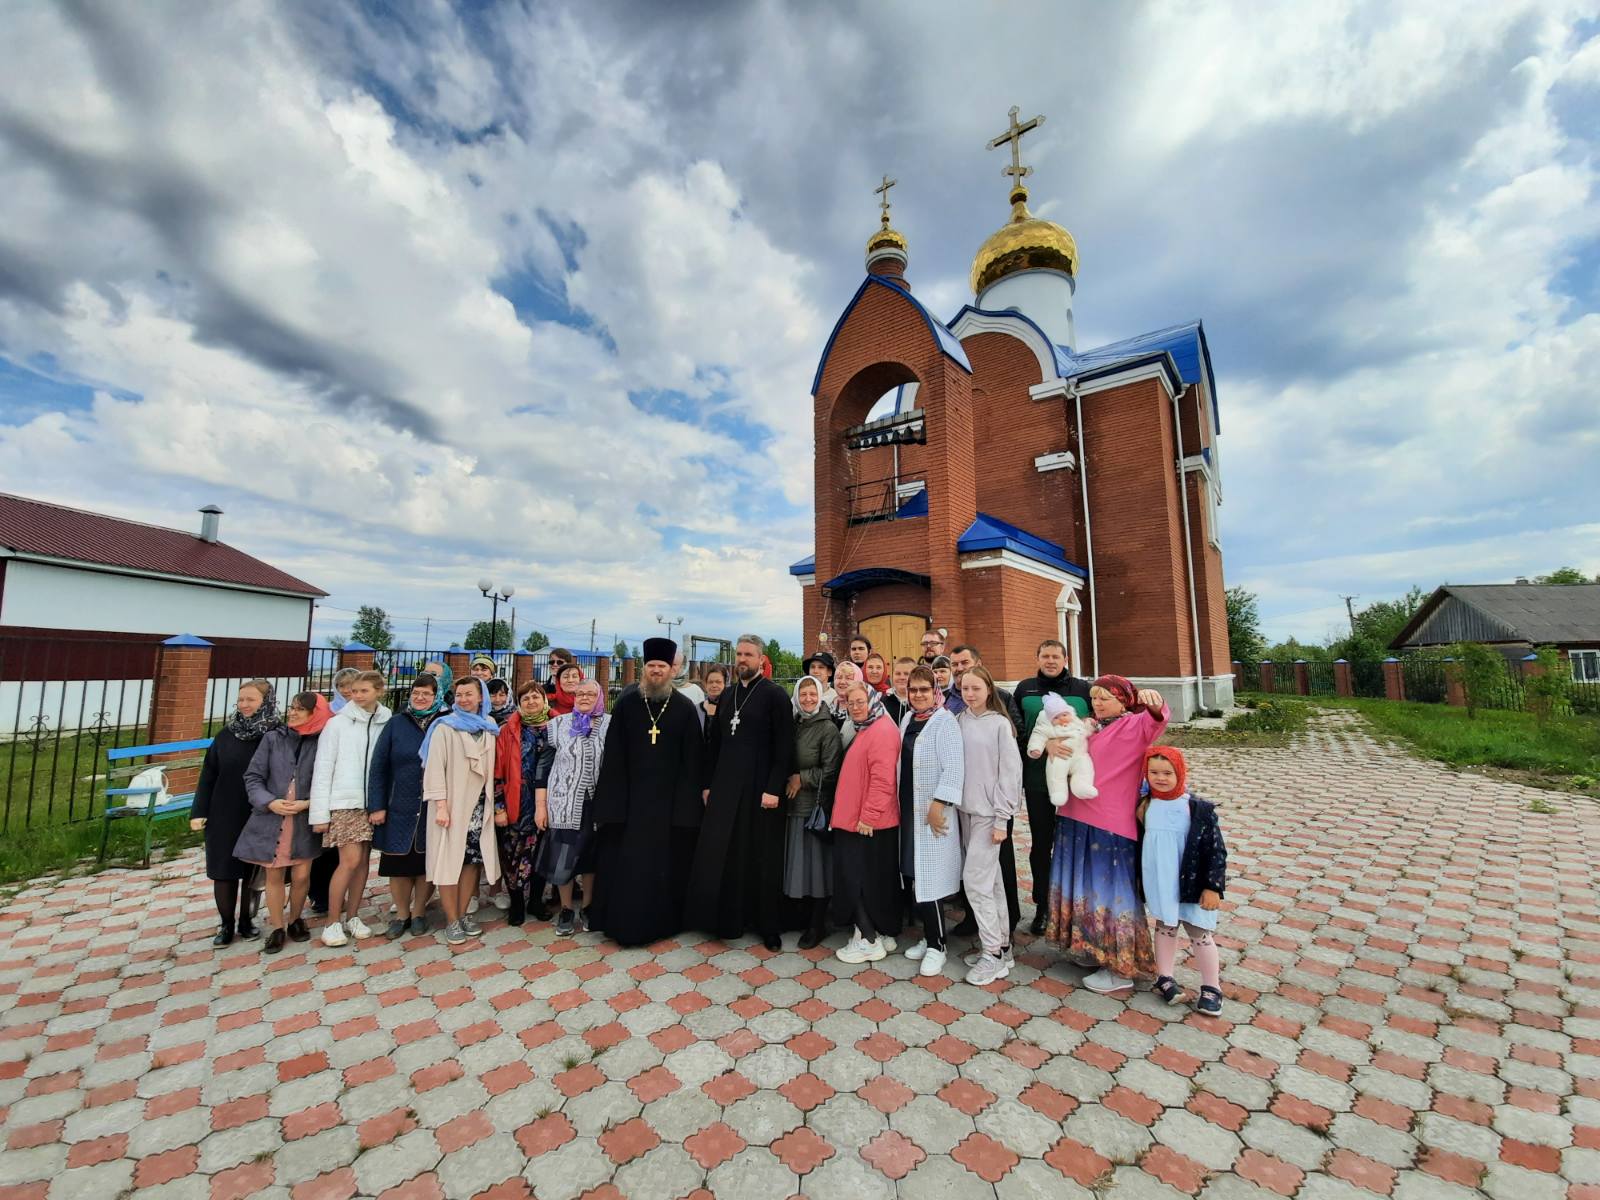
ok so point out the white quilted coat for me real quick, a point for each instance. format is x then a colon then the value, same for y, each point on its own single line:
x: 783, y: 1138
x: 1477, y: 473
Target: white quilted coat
x: 938, y: 762
x: 344, y: 754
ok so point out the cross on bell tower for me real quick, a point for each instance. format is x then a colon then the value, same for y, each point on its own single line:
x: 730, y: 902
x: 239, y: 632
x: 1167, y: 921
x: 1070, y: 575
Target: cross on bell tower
x: 1013, y: 135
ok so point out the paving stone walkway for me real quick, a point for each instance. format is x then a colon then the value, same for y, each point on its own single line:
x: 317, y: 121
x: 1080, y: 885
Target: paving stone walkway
x: 1412, y: 964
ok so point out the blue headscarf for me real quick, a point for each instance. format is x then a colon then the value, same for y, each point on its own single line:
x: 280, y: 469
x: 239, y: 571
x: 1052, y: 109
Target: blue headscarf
x: 478, y: 722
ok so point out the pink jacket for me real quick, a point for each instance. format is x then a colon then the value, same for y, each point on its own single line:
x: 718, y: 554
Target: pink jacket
x: 869, y: 779
x: 1117, y: 752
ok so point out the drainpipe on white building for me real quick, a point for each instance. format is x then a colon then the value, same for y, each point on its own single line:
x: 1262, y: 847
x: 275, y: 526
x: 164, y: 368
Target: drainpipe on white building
x: 1188, y: 549
x: 1088, y: 537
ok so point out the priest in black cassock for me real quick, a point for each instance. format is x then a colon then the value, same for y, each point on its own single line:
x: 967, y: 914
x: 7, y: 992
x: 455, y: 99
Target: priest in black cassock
x: 737, y: 878
x: 647, y: 807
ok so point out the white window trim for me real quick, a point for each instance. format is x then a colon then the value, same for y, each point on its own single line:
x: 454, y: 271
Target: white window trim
x: 1592, y: 656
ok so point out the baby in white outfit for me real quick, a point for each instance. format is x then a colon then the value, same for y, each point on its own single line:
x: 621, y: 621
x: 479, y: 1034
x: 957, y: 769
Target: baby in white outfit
x: 1057, y: 722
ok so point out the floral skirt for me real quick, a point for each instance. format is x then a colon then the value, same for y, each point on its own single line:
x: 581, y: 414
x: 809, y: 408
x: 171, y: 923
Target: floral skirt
x: 346, y: 826
x: 474, y: 855
x: 1094, y: 911
x: 517, y: 842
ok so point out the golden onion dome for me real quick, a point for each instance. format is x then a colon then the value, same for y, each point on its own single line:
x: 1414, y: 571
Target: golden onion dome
x: 1024, y: 243
x: 886, y: 238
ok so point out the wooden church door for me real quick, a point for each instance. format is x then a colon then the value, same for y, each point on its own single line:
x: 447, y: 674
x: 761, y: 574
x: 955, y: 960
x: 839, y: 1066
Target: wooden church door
x: 895, y: 635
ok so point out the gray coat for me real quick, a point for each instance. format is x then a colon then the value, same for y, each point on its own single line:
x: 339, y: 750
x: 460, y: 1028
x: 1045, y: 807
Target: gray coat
x: 282, y: 755
x: 937, y: 773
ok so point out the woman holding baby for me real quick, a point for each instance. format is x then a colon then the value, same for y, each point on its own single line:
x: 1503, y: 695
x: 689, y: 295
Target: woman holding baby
x: 1094, y: 912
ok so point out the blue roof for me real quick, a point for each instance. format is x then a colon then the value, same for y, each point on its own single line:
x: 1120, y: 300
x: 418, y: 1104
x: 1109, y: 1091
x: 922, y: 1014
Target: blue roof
x: 856, y: 581
x: 806, y: 566
x: 1184, y: 344
x: 948, y: 342
x: 991, y: 533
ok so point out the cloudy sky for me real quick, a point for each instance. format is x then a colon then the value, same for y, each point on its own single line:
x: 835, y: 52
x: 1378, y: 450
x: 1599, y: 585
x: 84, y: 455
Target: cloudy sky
x: 536, y: 291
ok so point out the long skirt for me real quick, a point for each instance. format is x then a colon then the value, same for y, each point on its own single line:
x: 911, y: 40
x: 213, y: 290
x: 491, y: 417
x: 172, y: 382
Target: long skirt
x: 517, y: 842
x: 807, y: 862
x: 866, y: 873
x: 563, y: 854
x: 1094, y: 911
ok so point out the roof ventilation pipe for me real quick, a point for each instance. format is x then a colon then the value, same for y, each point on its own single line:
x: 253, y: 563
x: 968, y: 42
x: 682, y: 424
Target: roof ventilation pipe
x: 210, y: 522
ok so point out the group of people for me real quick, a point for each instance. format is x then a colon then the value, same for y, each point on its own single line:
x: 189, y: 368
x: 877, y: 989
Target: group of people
x: 871, y: 795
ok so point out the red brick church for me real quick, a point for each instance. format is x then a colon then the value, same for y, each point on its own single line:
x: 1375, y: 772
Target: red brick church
x: 987, y: 476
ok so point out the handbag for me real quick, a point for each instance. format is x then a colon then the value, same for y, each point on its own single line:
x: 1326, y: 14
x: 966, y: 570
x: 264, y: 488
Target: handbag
x: 819, y: 821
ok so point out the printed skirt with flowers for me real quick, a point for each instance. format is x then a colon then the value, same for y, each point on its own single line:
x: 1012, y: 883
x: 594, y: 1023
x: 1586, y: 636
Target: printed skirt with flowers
x: 1095, y: 914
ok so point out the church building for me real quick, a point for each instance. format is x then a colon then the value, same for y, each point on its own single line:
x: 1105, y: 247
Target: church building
x: 986, y: 476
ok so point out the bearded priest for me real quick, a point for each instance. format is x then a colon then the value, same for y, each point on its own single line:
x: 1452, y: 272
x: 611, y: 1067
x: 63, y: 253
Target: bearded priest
x: 737, y: 878
x: 647, y: 806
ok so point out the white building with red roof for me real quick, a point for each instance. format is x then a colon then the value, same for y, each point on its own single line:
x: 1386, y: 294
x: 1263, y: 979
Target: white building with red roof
x: 86, y: 598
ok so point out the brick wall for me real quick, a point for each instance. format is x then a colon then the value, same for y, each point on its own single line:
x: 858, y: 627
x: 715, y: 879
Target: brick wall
x: 1011, y: 612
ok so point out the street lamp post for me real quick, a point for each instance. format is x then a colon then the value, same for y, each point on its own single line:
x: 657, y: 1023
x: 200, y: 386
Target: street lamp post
x: 660, y: 620
x: 496, y: 598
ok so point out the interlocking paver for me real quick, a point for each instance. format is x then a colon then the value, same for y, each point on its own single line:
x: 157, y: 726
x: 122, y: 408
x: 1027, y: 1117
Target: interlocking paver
x: 1413, y: 978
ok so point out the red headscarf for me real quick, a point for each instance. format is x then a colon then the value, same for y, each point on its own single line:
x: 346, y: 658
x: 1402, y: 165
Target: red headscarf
x: 561, y: 700
x: 1121, y: 688
x: 1174, y: 756
x: 320, y: 716
x: 766, y: 666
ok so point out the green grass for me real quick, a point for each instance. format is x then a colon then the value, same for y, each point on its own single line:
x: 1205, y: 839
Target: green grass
x: 53, y: 798
x: 1564, y: 751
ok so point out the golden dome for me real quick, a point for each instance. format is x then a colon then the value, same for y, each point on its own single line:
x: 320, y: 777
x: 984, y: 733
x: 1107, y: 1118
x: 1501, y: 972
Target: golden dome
x: 1023, y: 243
x: 885, y: 238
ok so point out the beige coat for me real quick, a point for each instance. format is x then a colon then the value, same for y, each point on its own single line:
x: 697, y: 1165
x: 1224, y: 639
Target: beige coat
x: 460, y: 767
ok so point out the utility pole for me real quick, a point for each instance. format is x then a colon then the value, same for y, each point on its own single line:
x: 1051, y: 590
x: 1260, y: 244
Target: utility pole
x: 513, y: 629
x: 591, y: 634
x: 427, y: 627
x: 1349, y: 609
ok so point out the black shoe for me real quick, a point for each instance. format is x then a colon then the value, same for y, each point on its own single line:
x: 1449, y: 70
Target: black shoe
x: 1037, y: 927
x: 566, y: 923
x: 248, y: 930
x: 1210, y: 1002
x: 274, y: 942
x: 518, y: 910
x: 772, y: 942
x: 1167, y: 988
x: 298, y: 932
x: 968, y: 927
x: 812, y: 937
x: 224, y: 936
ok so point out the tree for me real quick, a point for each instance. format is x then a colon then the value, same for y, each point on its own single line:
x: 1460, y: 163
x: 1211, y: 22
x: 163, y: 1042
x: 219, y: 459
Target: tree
x: 784, y: 664
x: 1377, y: 625
x: 1564, y: 575
x: 1483, y: 671
x: 373, y: 627
x: 535, y: 641
x: 620, y: 650
x: 1545, y: 691
x: 1245, y: 642
x: 483, y: 636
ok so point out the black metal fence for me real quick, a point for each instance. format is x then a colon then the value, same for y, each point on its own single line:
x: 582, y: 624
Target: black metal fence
x: 1427, y: 680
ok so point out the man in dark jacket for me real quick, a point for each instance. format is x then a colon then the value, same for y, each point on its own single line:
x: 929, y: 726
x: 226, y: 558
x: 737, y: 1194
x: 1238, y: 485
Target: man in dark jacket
x: 1026, y: 702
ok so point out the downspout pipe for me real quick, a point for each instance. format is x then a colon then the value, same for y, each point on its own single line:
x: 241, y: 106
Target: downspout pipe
x: 1088, y: 537
x: 1188, y: 547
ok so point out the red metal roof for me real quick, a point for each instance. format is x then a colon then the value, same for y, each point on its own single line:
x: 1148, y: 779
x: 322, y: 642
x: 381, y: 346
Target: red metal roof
x: 33, y: 527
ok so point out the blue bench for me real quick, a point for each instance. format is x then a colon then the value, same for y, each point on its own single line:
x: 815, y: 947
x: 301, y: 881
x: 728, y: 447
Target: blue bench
x: 150, y: 811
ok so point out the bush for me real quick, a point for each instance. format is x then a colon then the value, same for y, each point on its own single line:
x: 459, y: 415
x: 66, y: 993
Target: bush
x: 1272, y: 716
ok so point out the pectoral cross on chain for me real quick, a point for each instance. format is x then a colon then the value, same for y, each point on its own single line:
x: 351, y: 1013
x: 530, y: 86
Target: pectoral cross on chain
x: 734, y: 724
x: 654, y: 733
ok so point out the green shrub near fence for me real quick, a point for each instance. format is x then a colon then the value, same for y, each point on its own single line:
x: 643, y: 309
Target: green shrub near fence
x: 1272, y: 714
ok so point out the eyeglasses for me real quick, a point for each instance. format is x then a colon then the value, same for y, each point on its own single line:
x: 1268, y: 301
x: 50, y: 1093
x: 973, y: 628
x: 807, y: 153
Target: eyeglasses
x: 920, y: 690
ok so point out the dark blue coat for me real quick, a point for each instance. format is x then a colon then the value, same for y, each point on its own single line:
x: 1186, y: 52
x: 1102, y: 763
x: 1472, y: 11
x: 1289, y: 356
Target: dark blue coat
x: 394, y: 784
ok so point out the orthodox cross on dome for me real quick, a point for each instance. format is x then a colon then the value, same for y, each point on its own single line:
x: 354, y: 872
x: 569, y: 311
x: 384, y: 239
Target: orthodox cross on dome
x: 883, y: 190
x: 1014, y: 136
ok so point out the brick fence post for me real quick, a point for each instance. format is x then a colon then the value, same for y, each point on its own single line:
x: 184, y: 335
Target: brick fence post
x: 358, y: 655
x: 602, y: 675
x: 1394, y: 679
x: 630, y: 671
x: 1269, y: 675
x: 521, y: 669
x: 178, y: 702
x: 1531, y: 666
x: 459, y: 662
x: 1238, y: 676
x: 1343, y: 684
x: 1455, y: 684
x: 1302, y: 677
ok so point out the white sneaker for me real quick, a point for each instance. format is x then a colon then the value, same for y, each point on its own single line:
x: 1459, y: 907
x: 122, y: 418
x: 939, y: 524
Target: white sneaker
x: 971, y: 957
x: 859, y: 950
x: 932, y: 962
x: 357, y: 928
x: 502, y: 901
x: 1104, y: 982
x: 472, y: 905
x: 333, y: 934
x: 914, y: 953
x: 987, y: 969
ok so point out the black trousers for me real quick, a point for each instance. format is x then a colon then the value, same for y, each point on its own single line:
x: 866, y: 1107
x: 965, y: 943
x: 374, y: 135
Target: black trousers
x: 1042, y: 825
x: 322, y: 868
x: 1008, y: 876
x: 931, y: 913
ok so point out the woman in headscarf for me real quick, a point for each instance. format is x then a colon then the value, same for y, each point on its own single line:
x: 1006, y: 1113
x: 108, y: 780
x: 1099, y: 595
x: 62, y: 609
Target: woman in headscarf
x: 395, y: 808
x: 1096, y: 915
x: 567, y: 680
x: 278, y: 836
x: 876, y: 672
x: 563, y: 810
x: 844, y: 675
x: 457, y: 754
x: 521, y: 767
x: 818, y: 751
x: 221, y: 807
x: 866, y: 844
